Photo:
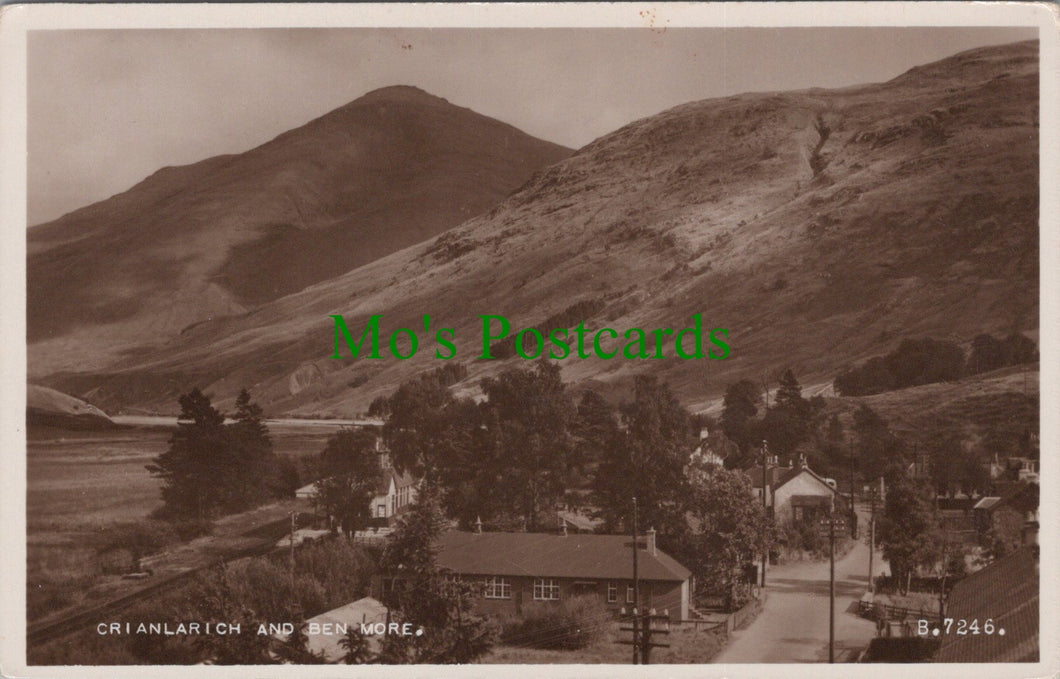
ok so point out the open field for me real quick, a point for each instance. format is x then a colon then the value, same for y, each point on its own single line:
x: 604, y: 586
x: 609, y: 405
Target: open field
x: 82, y: 483
x: 83, y: 480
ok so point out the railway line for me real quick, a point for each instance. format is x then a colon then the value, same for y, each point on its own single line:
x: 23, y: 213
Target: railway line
x: 43, y: 631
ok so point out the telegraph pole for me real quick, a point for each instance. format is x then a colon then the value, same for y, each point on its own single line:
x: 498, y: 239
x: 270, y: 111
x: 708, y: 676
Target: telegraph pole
x: 765, y: 506
x: 636, y: 586
x: 831, y: 590
x: 853, y: 514
x: 872, y: 538
x: 294, y: 517
x: 831, y: 521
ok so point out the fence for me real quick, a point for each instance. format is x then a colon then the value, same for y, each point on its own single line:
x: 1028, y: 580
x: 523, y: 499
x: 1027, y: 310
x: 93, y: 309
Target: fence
x: 879, y: 611
x: 725, y: 622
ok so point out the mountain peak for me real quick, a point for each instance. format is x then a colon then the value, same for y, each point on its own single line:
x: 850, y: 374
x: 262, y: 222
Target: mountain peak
x: 399, y: 93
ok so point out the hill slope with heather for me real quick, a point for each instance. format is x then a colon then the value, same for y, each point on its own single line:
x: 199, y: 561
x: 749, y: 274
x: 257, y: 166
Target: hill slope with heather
x: 391, y: 169
x: 820, y: 227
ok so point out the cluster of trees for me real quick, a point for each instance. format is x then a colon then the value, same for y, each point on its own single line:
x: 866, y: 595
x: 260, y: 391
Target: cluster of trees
x: 528, y: 447
x: 926, y: 361
x: 788, y: 424
x: 422, y: 594
x: 911, y: 535
x: 214, y: 467
x: 348, y: 473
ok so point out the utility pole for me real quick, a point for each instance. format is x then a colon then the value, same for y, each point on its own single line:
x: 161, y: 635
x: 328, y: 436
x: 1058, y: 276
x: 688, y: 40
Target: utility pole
x: 853, y: 514
x: 872, y: 538
x: 643, y: 628
x: 294, y: 518
x: 831, y: 590
x: 636, y: 586
x: 765, y: 506
x: 831, y: 522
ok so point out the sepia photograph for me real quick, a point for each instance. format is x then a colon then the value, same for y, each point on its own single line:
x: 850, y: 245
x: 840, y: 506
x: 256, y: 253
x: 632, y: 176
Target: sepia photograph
x: 592, y: 335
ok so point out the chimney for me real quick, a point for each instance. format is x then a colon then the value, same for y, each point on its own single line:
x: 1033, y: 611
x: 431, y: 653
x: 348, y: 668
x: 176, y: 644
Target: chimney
x: 1030, y: 529
x: 651, y: 541
x: 800, y: 462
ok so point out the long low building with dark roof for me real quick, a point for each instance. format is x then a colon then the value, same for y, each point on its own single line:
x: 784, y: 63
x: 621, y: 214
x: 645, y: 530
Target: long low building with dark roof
x: 516, y: 569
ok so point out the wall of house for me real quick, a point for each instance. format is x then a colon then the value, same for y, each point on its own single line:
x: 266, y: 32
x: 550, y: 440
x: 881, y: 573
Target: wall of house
x: 1007, y: 528
x: 672, y: 596
x: 803, y: 484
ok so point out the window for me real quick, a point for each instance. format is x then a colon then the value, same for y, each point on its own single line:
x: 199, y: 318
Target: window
x: 381, y: 511
x: 630, y: 595
x: 612, y: 592
x: 498, y: 588
x: 546, y: 589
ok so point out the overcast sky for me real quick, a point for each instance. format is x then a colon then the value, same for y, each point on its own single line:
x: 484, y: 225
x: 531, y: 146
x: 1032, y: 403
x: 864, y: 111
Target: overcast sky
x: 107, y: 108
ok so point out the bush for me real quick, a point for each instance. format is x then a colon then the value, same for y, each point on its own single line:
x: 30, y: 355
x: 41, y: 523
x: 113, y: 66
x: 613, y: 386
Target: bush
x: 285, y: 478
x: 573, y: 624
x: 141, y: 538
x: 804, y: 536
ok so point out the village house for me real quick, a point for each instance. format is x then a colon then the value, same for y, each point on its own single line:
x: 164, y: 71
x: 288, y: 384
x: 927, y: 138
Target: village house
x: 325, y: 632
x: 795, y: 494
x: 1005, y: 593
x: 519, y: 569
x: 395, y: 492
x: 999, y: 520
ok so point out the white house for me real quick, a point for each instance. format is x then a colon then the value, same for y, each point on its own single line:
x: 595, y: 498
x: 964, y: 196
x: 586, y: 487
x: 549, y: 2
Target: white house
x: 395, y: 492
x: 793, y: 494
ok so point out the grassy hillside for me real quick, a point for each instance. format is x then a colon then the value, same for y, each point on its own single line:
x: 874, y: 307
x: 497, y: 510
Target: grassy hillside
x: 222, y: 236
x: 820, y: 227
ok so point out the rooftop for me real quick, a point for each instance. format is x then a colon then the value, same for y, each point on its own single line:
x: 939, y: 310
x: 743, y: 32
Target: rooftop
x: 576, y: 555
x: 1006, y: 591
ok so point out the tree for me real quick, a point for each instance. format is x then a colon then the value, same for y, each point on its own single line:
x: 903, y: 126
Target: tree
x: 211, y: 467
x: 250, y: 448
x: 355, y: 647
x: 425, y: 425
x: 726, y: 528
x: 595, y: 427
x: 880, y: 453
x: 350, y: 470
x: 529, y: 416
x: 788, y: 423
x: 647, y: 461
x: 193, y: 468
x: 987, y: 354
x: 219, y: 603
x: 424, y: 595
x: 1019, y: 349
x: 295, y: 648
x: 909, y: 531
x: 737, y: 421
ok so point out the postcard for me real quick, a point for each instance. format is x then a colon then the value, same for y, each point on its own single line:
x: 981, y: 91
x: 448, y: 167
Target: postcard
x: 575, y: 339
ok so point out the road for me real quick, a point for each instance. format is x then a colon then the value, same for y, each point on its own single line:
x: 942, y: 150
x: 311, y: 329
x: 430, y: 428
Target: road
x: 793, y: 624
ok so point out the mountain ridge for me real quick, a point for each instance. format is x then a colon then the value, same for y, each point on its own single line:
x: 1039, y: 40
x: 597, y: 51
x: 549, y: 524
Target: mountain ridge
x: 820, y: 226
x: 228, y: 233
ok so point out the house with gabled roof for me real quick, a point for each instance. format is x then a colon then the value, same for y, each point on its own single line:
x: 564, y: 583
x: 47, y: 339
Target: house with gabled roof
x: 518, y: 569
x: 803, y: 495
x: 1005, y: 593
x: 999, y: 519
x: 794, y: 494
x: 395, y: 492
